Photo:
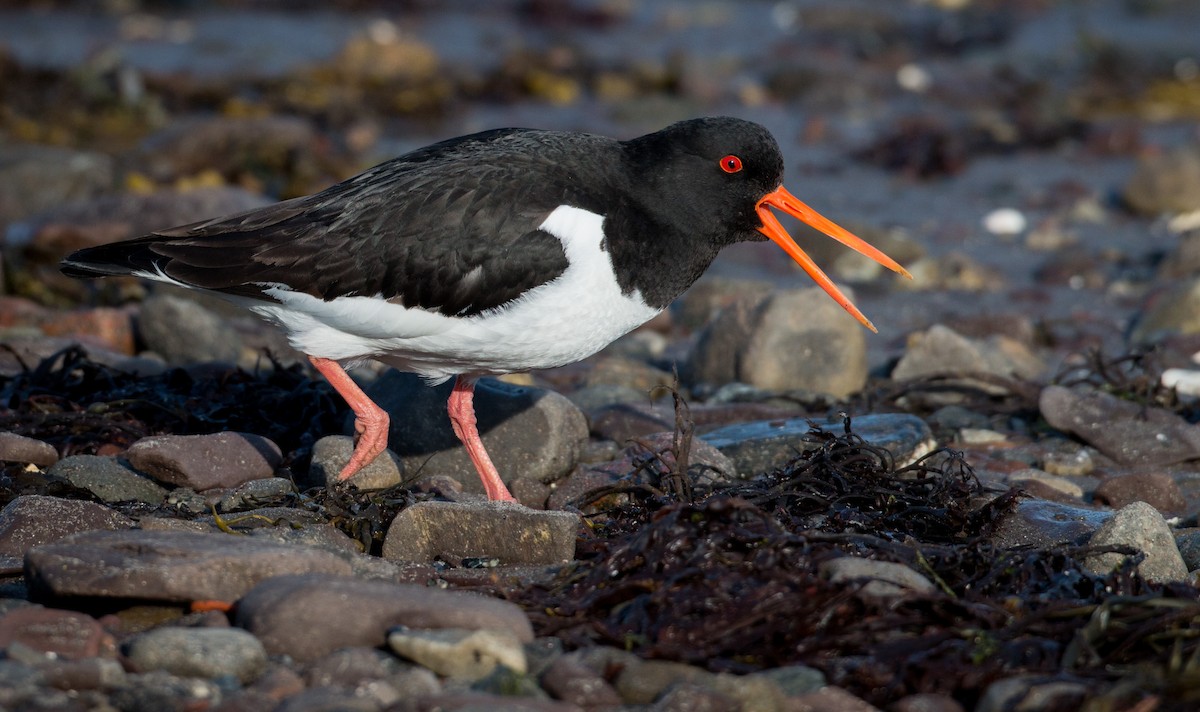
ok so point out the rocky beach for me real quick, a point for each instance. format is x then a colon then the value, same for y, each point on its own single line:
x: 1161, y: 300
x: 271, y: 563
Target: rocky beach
x: 750, y: 503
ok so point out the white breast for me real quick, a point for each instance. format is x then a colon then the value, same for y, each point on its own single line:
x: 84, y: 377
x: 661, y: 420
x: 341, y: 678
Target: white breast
x: 562, y: 321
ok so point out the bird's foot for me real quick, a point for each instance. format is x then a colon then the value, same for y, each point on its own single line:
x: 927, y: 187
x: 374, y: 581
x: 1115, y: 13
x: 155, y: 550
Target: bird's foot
x: 372, y: 428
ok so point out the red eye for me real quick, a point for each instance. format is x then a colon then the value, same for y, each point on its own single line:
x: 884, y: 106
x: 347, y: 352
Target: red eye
x: 731, y: 164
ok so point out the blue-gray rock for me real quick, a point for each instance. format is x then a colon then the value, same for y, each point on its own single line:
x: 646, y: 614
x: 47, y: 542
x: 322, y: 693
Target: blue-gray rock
x: 108, y: 478
x: 210, y: 653
x: 1041, y: 524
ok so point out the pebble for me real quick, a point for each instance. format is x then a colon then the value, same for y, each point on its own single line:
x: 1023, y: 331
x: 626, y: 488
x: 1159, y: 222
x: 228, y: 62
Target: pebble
x: 108, y: 478
x: 941, y: 351
x: 1172, y: 311
x: 1005, y: 222
x: 1130, y: 433
x: 18, y: 448
x: 1139, y: 526
x: 1186, y: 382
x: 61, y: 634
x: 954, y: 271
x: 883, y: 579
x: 182, y: 331
x: 1167, y: 182
x: 1076, y: 463
x: 33, y: 519
x: 573, y: 682
x: 457, y: 530
x: 1032, y: 692
x: 713, y: 294
x: 1041, y: 524
x: 354, y: 612
x: 210, y: 653
x: 791, y: 340
x: 1042, y: 484
x: 203, y: 462
x: 529, y: 432
x: 167, y: 566
x: 1188, y: 542
x: 762, y: 446
x: 331, y: 453
x: 256, y: 493
x: 829, y: 699
x: 459, y: 654
x: 1157, y: 489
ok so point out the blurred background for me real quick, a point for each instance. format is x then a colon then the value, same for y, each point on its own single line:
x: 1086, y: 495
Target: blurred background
x: 1034, y: 163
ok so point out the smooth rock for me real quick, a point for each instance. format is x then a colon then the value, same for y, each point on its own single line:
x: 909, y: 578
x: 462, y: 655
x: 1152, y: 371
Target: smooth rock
x: 529, y: 432
x: 457, y: 530
x: 1130, y: 433
x: 32, y: 519
x: 108, y: 478
x: 167, y: 566
x: 571, y: 681
x: 796, y: 339
x: 182, y: 331
x: 1029, y: 693
x: 1041, y: 484
x: 926, y: 702
x: 829, y: 699
x: 18, y: 448
x: 795, y: 679
x: 1077, y: 463
x: 63, y: 634
x: 941, y: 351
x: 1041, y: 524
x: 762, y: 446
x: 712, y: 294
x: 209, y: 653
x: 629, y: 373
x: 89, y: 673
x: 160, y: 690
x: 202, y: 462
x: 884, y: 579
x: 954, y: 271
x: 1157, y: 489
x: 354, y: 612
x: 331, y: 453
x: 1167, y: 182
x: 459, y: 654
x: 257, y: 493
x: 1172, y: 311
x: 1141, y: 527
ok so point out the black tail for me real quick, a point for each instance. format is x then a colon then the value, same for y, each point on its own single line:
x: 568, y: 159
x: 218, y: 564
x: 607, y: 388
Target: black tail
x: 113, y: 259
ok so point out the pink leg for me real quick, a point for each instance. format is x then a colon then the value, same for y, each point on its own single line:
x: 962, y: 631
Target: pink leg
x: 370, y: 421
x: 462, y: 416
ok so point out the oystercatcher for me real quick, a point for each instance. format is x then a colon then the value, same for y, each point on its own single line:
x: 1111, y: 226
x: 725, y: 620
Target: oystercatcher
x: 501, y: 251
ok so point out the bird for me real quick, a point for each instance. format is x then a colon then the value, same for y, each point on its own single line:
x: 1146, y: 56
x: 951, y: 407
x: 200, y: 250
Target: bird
x: 507, y: 250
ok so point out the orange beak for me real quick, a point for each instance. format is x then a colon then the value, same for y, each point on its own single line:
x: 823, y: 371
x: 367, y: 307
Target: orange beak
x: 790, y: 204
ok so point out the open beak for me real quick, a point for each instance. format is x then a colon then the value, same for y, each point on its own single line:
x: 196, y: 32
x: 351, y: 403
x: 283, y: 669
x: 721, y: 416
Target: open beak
x: 790, y: 204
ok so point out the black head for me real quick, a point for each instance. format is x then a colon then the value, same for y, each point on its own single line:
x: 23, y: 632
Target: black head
x: 708, y: 175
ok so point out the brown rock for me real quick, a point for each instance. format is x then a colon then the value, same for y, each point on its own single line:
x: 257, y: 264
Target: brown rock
x: 1128, y: 432
x: 30, y: 520
x: 64, y: 634
x: 359, y: 613
x: 1157, y: 489
x: 18, y: 448
x: 203, y: 462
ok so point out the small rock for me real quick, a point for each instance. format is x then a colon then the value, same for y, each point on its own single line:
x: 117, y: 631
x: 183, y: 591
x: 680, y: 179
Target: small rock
x: 63, y: 634
x: 1005, y: 222
x: 627, y: 372
x: 108, y: 479
x: 167, y: 566
x: 711, y: 295
x: 182, y: 331
x: 355, y: 612
x: 1130, y: 433
x: 1141, y: 527
x: 1172, y: 311
x: 643, y: 682
x: 85, y: 674
x: 795, y: 679
x: 256, y: 493
x: 762, y: 446
x: 686, y: 697
x: 1077, y: 463
x: 202, y: 462
x: 1189, y: 547
x: 926, y: 702
x: 829, y: 699
x: 160, y: 690
x: 885, y: 579
x: 509, y: 532
x: 1168, y: 182
x: 527, y: 431
x: 1037, y: 483
x: 459, y: 654
x: 18, y: 448
x: 199, y: 652
x: 941, y: 351
x: 571, y: 681
x: 1157, y: 489
x: 1032, y: 692
x: 592, y: 399
x: 331, y: 453
x: 36, y: 177
x: 981, y: 436
x: 1041, y: 524
x: 954, y: 271
x: 30, y: 520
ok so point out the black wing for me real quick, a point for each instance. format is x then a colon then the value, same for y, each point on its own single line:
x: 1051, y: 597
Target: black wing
x: 451, y: 228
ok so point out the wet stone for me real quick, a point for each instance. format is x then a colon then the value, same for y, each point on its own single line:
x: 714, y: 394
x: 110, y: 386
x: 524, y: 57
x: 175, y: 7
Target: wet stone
x: 30, y: 520
x: 64, y: 634
x: 1157, y: 489
x: 761, y: 446
x: 18, y: 448
x: 210, y: 653
x: 1128, y: 432
x: 331, y: 453
x: 201, y: 462
x: 457, y: 530
x: 359, y: 613
x: 796, y: 339
x: 167, y: 566
x: 1141, y: 527
x: 459, y: 654
x: 1040, y: 524
x: 527, y: 431
x: 108, y: 478
x: 256, y: 493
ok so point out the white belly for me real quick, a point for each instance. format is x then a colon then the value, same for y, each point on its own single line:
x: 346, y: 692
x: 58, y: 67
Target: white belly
x: 557, y: 323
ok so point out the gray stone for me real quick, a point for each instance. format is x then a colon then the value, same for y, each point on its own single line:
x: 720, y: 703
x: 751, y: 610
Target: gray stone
x: 1170, y: 312
x: 762, y: 446
x: 1041, y: 524
x: 509, y: 532
x: 1168, y: 182
x: 108, y: 479
x: 160, y: 690
x: 18, y: 448
x: 529, y: 432
x: 201, y: 462
x: 331, y: 453
x: 795, y: 679
x: 791, y: 340
x: 354, y: 612
x: 167, y: 566
x: 941, y: 351
x: 199, y: 652
x: 30, y: 520
x: 571, y: 681
x: 1188, y: 542
x: 182, y: 331
x: 54, y: 633
x: 1030, y: 693
x: 459, y: 654
x: 1141, y: 527
x: 884, y: 579
x: 1131, y: 433
x: 256, y: 493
